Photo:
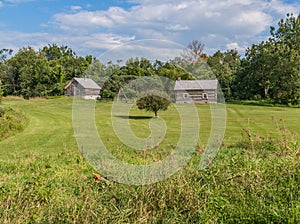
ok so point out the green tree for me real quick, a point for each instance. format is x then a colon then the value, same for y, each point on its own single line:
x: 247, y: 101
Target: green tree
x: 33, y: 73
x: 19, y: 69
x: 286, y: 40
x: 225, y: 66
x: 259, y: 74
x: 132, y: 69
x: 153, y: 101
x: 4, y: 54
x: 70, y: 64
x: 271, y: 69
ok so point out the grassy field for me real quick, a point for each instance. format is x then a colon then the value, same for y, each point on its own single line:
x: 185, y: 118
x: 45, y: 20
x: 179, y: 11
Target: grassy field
x: 254, y: 178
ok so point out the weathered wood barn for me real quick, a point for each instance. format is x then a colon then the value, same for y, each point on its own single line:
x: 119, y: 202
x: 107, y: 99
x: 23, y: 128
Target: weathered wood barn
x: 196, y: 91
x: 84, y: 87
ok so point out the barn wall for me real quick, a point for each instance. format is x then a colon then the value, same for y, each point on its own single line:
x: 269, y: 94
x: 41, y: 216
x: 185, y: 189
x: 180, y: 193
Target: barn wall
x: 70, y: 91
x: 75, y: 89
x: 196, y: 96
x: 89, y: 92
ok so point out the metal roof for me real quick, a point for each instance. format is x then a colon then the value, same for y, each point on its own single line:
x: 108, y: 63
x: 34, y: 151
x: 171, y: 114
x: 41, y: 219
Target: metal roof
x: 87, y: 83
x: 196, y: 84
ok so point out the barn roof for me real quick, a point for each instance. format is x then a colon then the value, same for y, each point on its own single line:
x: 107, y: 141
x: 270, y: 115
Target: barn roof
x: 196, y: 84
x: 86, y: 83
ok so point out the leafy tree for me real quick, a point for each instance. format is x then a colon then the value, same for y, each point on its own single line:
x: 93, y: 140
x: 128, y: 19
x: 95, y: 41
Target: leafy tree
x: 271, y: 69
x: 225, y: 65
x: 4, y: 54
x: 135, y: 68
x: 70, y: 64
x: 171, y: 70
x: 153, y: 101
x: 286, y: 40
x: 258, y: 76
x: 19, y: 70
x: 33, y: 73
x: 54, y: 52
x: 132, y: 69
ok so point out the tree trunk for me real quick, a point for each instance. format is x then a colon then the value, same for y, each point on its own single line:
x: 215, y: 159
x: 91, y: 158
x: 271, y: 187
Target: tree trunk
x: 266, y: 91
x: 155, y: 112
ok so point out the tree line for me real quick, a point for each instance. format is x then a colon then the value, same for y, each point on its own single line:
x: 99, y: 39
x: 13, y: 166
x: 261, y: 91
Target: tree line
x: 269, y: 70
x: 31, y: 73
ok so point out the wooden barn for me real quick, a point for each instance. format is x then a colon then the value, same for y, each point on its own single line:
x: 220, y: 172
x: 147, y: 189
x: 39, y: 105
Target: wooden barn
x: 84, y: 87
x: 196, y: 91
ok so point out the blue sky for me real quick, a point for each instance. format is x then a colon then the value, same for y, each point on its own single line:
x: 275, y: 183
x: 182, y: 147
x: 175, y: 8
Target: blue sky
x: 94, y: 27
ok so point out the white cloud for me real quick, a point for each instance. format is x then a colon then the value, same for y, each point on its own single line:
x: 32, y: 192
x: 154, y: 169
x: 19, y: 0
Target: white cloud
x: 235, y: 46
x: 281, y: 8
x: 219, y: 24
x: 151, y: 49
x: 95, y: 43
x: 19, y: 1
x: 81, y: 44
x: 182, y: 21
x: 88, y: 19
x: 1, y: 4
x: 252, y: 22
x: 177, y: 27
x: 75, y: 7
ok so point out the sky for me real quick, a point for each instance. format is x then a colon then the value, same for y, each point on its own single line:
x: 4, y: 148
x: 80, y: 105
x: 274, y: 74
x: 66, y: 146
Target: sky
x: 157, y: 28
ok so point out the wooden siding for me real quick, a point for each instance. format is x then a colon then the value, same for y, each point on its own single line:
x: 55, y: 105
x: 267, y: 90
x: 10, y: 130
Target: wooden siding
x: 196, y: 96
x: 75, y: 89
x: 89, y: 92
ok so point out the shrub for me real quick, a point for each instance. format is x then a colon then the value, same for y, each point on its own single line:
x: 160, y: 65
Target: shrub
x: 11, y: 122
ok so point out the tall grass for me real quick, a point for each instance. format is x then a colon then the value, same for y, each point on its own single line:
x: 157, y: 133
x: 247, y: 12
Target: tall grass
x: 243, y: 185
x: 11, y: 122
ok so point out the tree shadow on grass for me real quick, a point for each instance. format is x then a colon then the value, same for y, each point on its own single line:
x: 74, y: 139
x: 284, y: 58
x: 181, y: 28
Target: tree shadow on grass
x: 135, y: 117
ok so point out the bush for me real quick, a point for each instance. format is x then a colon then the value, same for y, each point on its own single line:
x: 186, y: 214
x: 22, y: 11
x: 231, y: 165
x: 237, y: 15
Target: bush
x: 11, y: 122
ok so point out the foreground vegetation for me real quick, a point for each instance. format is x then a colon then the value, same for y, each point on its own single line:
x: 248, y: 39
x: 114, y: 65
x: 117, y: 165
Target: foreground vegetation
x: 11, y: 122
x: 254, y: 179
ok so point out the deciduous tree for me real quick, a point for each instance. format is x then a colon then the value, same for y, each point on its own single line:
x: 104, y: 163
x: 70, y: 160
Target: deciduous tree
x: 271, y: 69
x: 153, y: 101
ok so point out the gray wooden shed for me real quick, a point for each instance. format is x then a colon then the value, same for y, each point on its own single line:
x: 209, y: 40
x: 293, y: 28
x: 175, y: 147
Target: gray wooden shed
x: 196, y: 91
x: 84, y: 87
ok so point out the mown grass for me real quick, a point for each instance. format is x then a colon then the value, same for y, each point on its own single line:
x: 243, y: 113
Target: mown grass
x: 254, y: 179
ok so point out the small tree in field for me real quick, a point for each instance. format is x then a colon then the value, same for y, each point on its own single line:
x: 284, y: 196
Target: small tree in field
x: 153, y: 101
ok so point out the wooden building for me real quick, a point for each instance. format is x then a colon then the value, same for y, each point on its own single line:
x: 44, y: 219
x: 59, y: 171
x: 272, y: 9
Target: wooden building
x: 196, y: 91
x: 84, y: 87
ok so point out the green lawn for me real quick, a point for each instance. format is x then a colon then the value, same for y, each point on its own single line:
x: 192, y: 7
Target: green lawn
x: 50, y: 127
x: 254, y: 178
